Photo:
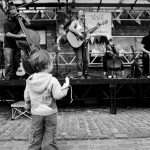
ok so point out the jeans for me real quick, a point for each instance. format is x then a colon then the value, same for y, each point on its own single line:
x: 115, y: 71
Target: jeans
x: 43, y: 133
x: 12, y: 60
x: 81, y: 58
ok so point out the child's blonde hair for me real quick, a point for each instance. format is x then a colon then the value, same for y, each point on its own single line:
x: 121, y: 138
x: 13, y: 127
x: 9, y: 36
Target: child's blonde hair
x: 40, y: 60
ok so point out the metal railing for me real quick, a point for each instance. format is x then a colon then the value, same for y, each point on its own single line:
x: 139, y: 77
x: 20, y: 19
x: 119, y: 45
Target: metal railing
x: 94, y: 59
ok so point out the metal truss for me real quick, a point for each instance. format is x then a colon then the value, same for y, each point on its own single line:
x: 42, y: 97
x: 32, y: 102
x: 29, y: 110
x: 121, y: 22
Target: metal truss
x: 131, y: 15
x: 64, y: 58
x: 94, y: 59
x: 40, y: 14
x: 117, y: 15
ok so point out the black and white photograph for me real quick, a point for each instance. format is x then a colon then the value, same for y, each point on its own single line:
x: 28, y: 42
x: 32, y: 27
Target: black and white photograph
x: 74, y: 74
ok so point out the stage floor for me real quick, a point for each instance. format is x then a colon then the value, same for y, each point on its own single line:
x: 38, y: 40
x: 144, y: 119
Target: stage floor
x: 88, y: 89
x: 89, y: 81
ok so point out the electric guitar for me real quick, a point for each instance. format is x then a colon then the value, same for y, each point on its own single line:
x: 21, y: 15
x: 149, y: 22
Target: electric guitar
x: 76, y: 41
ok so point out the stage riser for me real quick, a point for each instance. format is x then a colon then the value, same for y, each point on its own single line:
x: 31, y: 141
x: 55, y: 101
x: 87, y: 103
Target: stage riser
x: 91, y: 92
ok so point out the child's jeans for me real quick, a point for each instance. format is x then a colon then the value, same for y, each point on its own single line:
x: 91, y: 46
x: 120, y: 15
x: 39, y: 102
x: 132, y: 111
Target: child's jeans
x: 43, y: 132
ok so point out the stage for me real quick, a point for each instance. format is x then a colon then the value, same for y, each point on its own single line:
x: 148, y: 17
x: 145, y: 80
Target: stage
x: 112, y: 90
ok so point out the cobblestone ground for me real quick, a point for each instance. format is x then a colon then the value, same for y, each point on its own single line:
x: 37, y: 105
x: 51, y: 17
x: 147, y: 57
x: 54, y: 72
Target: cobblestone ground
x: 84, y: 129
x: 84, y: 124
x: 107, y: 144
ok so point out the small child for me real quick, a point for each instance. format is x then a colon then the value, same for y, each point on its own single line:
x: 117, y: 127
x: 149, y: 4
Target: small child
x: 41, y: 92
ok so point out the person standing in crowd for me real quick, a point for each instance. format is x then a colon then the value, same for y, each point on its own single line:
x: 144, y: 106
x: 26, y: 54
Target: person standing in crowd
x: 41, y: 92
x: 145, y: 57
x: 78, y: 27
x: 11, y: 51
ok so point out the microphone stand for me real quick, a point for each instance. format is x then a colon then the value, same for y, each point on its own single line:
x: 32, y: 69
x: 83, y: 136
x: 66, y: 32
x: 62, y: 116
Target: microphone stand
x: 84, y: 53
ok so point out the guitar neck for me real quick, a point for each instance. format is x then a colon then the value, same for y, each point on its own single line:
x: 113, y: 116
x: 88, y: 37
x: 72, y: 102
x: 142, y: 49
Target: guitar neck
x: 97, y: 26
x: 23, y: 29
x: 93, y: 29
x: 134, y: 56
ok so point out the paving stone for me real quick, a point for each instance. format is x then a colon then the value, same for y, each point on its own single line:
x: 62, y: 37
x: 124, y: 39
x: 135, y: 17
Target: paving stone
x: 125, y: 144
x: 84, y: 125
x: 5, y: 138
x: 120, y: 135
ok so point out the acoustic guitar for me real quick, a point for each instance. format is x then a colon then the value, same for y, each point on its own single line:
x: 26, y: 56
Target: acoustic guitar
x: 20, y: 71
x: 28, y: 46
x: 76, y: 41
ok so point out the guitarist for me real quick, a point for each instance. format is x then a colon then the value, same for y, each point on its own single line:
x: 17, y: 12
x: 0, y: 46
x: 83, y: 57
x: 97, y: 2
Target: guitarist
x: 78, y: 27
x: 11, y: 52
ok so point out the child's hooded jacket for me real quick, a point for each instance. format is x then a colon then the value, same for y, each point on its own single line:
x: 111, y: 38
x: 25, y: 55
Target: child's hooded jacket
x: 41, y: 92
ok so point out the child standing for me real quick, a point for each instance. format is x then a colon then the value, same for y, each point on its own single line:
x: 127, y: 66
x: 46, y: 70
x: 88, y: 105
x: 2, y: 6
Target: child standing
x: 41, y: 92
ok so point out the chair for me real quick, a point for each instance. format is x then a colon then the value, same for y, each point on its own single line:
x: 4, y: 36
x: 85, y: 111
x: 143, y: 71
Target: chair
x: 18, y: 109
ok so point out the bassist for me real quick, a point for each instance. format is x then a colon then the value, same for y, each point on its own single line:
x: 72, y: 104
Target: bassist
x: 11, y: 51
x: 78, y: 28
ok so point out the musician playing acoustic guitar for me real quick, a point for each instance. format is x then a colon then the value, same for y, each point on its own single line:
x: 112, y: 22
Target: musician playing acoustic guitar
x: 78, y: 27
x: 11, y: 51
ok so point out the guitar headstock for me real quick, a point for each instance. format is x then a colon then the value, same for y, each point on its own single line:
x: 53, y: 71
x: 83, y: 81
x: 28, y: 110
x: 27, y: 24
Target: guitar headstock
x: 132, y: 48
x: 103, y: 23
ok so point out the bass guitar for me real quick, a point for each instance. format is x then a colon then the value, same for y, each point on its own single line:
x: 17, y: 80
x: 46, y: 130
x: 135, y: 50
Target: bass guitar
x: 76, y: 41
x: 112, y: 57
x: 28, y: 46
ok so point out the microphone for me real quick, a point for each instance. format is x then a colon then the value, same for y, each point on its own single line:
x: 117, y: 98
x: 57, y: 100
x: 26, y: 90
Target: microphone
x: 83, y: 16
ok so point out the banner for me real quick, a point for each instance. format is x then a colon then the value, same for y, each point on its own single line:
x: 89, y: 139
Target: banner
x: 104, y: 18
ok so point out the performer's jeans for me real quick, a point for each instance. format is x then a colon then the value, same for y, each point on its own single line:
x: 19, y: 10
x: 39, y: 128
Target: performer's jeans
x: 81, y: 58
x: 12, y: 59
x: 43, y: 133
x: 78, y: 54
